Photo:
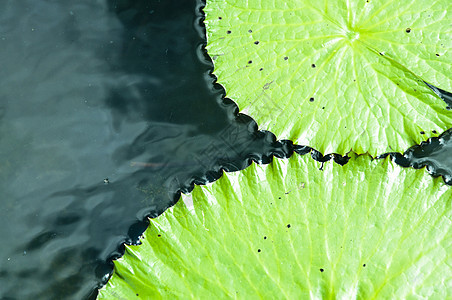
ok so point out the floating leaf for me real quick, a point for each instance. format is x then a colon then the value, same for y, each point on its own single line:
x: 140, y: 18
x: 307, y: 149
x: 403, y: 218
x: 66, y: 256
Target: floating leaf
x: 336, y: 75
x: 367, y: 230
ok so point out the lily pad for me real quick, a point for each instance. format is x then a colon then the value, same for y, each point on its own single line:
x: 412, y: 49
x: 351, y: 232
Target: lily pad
x: 367, y: 230
x: 336, y: 75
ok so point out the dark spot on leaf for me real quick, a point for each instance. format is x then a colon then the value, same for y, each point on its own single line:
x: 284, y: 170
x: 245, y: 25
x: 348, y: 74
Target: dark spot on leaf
x: 250, y: 31
x: 265, y: 237
x: 288, y: 225
x: 408, y: 30
x: 381, y: 53
x: 323, y: 107
x: 311, y: 99
x: 448, y: 107
x: 279, y: 197
x: 286, y: 58
x: 159, y: 235
x: 437, y: 54
x: 228, y: 32
x: 434, y: 131
x: 364, y: 265
x: 258, y: 250
x: 422, y: 132
x: 256, y: 43
x: 321, y: 270
x: 137, y: 294
x: 219, y: 18
x: 414, y: 90
x: 313, y: 65
x: 260, y: 69
x: 250, y: 61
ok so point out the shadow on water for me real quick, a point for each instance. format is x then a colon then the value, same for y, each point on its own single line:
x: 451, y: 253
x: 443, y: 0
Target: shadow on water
x: 107, y: 112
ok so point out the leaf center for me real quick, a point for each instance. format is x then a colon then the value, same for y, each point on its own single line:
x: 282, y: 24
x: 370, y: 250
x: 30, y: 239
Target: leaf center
x: 351, y: 34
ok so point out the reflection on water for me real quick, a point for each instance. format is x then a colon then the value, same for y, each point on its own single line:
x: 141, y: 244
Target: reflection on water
x: 435, y: 155
x: 104, y: 89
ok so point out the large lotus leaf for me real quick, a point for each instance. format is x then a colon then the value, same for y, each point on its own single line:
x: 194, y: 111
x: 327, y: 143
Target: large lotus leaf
x: 333, y: 74
x: 369, y: 229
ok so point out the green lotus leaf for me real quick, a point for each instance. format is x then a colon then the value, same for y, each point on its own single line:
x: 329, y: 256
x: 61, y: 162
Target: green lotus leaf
x: 367, y: 230
x: 336, y: 75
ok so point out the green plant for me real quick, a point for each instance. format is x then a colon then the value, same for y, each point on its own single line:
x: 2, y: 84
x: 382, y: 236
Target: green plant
x: 336, y: 75
x: 340, y: 76
x: 289, y: 230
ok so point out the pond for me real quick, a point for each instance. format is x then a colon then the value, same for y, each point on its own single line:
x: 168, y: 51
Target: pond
x: 107, y: 111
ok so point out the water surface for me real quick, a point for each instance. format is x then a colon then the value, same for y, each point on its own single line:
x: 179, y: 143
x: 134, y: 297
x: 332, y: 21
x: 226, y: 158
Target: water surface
x: 107, y: 111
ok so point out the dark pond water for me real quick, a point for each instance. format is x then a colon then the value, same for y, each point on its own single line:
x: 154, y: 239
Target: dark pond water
x: 107, y: 111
